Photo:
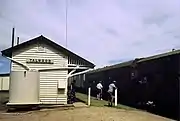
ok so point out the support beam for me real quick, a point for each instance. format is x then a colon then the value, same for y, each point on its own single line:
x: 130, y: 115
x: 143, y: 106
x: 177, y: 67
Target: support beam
x: 23, y: 65
x: 82, y: 72
x: 71, y: 72
x: 74, y: 65
x: 62, y: 68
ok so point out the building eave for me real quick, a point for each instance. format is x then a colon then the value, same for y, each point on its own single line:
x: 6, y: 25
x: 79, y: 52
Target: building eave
x: 7, y: 52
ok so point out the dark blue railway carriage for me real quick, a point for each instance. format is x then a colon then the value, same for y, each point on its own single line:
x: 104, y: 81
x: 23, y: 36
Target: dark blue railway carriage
x: 154, y: 79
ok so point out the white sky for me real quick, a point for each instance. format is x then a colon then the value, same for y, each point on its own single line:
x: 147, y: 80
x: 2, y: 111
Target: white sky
x: 102, y: 31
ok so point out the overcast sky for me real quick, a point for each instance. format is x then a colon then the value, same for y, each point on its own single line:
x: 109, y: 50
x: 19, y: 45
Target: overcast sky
x: 102, y: 31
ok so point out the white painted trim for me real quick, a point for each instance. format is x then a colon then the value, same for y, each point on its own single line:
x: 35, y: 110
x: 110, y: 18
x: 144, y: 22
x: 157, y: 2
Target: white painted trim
x: 82, y: 72
x: 71, y: 72
x: 63, y: 68
x: 115, y: 97
x: 89, y: 96
x: 27, y: 103
x: 23, y: 65
x: 72, y: 65
x: 75, y: 65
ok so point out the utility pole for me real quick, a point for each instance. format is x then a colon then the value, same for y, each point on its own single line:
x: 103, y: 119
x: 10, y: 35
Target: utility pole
x: 12, y: 45
x: 66, y: 22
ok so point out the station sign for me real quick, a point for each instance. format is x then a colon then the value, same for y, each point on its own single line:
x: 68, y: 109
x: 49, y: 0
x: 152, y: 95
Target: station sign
x: 40, y: 61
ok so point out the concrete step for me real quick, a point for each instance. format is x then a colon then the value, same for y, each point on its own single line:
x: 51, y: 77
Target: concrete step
x: 79, y: 105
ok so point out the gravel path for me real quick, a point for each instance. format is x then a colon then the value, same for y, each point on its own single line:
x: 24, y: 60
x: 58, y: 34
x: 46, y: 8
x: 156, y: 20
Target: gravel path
x: 83, y: 114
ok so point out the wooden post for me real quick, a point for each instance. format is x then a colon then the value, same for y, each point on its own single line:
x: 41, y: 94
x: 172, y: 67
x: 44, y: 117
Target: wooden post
x: 115, y: 97
x: 89, y: 96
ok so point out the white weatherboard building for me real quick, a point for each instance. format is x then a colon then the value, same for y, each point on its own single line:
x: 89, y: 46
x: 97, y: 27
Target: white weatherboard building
x: 54, y: 63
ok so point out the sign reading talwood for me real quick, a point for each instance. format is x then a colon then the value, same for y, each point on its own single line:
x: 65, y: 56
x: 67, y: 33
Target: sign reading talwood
x: 42, y: 61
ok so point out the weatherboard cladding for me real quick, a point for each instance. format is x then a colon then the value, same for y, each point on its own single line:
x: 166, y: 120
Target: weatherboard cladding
x: 48, y: 79
x: 44, y: 40
x: 59, y: 60
x: 35, y: 53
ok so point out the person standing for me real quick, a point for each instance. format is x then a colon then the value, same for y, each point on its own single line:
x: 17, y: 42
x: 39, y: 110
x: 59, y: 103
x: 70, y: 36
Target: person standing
x: 99, y: 90
x: 73, y: 92
x: 111, y: 91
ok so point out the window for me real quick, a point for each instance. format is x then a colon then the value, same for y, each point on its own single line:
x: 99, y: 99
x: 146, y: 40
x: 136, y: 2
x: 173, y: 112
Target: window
x: 61, y: 90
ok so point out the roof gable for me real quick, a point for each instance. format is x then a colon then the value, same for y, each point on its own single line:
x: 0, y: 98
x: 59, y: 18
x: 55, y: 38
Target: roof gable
x: 42, y: 39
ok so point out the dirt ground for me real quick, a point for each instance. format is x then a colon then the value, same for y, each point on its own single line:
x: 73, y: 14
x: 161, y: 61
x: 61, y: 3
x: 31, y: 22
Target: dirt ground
x: 83, y: 114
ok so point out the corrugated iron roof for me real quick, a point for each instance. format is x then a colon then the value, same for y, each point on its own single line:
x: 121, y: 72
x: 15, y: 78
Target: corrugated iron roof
x: 138, y: 60
x: 128, y: 63
x: 174, y: 52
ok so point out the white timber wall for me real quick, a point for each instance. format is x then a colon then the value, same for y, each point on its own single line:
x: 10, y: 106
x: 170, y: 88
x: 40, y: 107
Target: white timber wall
x: 4, y: 83
x: 49, y: 80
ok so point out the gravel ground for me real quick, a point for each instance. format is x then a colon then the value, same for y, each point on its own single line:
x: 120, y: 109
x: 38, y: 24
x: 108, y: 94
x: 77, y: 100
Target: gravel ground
x: 83, y: 114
